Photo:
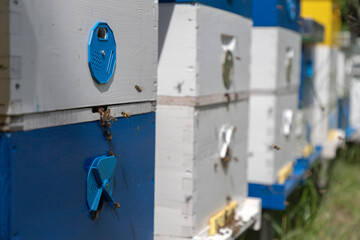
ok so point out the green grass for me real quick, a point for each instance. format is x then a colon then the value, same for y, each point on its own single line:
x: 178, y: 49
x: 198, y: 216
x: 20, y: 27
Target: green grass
x: 338, y: 216
x: 327, y: 205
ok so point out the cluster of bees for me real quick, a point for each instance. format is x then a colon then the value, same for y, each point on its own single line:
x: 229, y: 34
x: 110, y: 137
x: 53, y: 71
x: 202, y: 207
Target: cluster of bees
x: 106, y: 119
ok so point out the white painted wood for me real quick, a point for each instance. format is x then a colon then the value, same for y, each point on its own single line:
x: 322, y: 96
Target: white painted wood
x: 272, y: 92
x: 45, y: 51
x: 250, y: 215
x: 203, y: 100
x: 192, y: 41
x: 266, y: 130
x: 325, y: 108
x: 332, y: 143
x: 269, y: 50
x: 342, y: 86
x: 64, y: 117
x: 355, y: 105
x: 192, y: 184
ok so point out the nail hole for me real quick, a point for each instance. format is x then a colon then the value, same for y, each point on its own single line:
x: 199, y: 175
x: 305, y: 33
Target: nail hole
x: 17, y: 86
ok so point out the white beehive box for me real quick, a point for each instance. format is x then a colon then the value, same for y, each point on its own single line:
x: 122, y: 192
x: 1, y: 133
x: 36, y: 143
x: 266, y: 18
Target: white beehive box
x: 325, y: 87
x: 44, y: 54
x: 192, y: 183
x: 193, y: 43
x: 355, y: 105
x: 341, y: 83
x: 195, y: 110
x: 275, y: 58
x: 275, y: 77
x: 272, y: 123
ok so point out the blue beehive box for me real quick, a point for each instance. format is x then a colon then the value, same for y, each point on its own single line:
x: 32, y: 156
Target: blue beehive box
x: 43, y: 181
x: 272, y: 13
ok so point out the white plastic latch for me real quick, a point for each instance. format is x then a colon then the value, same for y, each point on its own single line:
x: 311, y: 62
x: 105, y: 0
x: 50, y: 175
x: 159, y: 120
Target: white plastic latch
x: 287, y: 122
x: 289, y: 57
x: 225, y: 137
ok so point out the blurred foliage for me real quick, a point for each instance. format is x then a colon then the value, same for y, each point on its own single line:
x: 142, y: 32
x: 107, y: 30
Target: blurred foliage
x: 327, y: 205
x: 350, y: 12
x: 302, y: 207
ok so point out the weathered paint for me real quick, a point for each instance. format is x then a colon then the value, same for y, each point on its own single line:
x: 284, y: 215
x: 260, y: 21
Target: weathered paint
x: 268, y: 58
x: 265, y: 130
x: 192, y: 183
x: 192, y: 43
x: 47, y: 63
x: 43, y: 181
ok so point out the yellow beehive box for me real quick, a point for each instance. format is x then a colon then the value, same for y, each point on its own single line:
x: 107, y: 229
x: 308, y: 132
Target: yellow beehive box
x: 327, y: 12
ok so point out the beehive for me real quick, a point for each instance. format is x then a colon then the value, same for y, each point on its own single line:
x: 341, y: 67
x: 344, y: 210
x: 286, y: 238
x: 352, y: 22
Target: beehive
x: 325, y: 115
x: 275, y: 72
x: 202, y: 119
x: 77, y: 119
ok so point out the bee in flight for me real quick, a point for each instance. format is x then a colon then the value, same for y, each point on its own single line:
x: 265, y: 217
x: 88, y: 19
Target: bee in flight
x: 276, y: 147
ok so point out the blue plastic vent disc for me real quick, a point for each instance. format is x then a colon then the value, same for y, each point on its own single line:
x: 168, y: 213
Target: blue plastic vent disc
x: 102, y: 52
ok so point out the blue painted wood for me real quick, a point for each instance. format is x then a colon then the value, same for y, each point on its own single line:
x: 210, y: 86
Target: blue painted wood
x: 240, y: 7
x: 344, y: 117
x: 5, y: 175
x: 274, y: 196
x: 349, y: 131
x: 276, y: 13
x: 48, y: 181
x: 306, y: 92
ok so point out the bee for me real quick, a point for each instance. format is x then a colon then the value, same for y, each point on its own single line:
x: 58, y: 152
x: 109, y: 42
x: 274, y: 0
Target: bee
x: 236, y: 159
x: 94, y: 214
x: 106, y: 114
x: 108, y: 136
x: 102, y: 122
x: 225, y: 159
x: 138, y: 88
x: 238, y: 58
x: 126, y: 115
x: 236, y: 229
x: 276, y: 147
x: 228, y: 199
x: 111, y: 153
x: 322, y: 108
x: 116, y: 205
x: 341, y: 138
x: 280, y: 7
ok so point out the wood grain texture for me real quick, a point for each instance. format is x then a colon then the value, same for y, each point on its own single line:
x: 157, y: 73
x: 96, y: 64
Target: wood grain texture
x: 265, y: 130
x: 193, y: 39
x: 192, y: 184
x: 58, y: 118
x: 202, y: 100
x: 268, y: 51
x: 49, y: 54
x: 45, y: 186
x: 326, y: 89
